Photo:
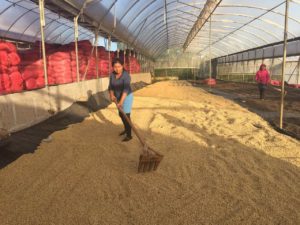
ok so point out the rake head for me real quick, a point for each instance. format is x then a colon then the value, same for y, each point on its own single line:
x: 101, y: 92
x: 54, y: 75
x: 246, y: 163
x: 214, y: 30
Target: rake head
x: 149, y: 161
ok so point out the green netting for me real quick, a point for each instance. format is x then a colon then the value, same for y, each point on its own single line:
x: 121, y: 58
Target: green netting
x: 179, y: 73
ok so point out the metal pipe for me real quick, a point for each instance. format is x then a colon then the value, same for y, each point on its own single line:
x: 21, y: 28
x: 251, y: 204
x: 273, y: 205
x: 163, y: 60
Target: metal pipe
x: 76, y: 46
x: 124, y: 55
x: 284, y: 62
x: 298, y: 77
x: 206, y: 12
x: 97, y: 60
x: 129, y: 65
x: 43, y: 23
x: 109, y: 58
x: 210, y: 48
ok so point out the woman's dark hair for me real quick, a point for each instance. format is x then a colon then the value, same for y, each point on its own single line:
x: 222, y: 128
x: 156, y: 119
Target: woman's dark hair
x: 261, y: 66
x: 117, y: 60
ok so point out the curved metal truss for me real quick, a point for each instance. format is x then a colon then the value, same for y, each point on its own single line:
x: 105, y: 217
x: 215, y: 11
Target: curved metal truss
x: 155, y: 25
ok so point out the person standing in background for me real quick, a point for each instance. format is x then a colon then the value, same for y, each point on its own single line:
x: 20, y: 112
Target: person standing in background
x: 262, y: 78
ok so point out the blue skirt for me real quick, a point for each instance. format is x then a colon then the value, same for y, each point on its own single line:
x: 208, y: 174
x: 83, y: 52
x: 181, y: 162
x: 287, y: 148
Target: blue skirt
x: 127, y: 105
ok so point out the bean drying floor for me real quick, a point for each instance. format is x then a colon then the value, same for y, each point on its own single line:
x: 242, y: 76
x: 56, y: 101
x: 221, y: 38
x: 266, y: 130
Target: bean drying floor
x: 247, y: 96
x: 222, y: 165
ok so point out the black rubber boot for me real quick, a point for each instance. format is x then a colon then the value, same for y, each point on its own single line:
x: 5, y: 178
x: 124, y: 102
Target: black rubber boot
x: 122, y: 133
x: 124, y: 123
x: 127, y: 139
x: 127, y: 129
x: 260, y: 93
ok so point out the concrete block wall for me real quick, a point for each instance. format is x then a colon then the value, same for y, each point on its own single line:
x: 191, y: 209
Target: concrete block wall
x: 21, y: 110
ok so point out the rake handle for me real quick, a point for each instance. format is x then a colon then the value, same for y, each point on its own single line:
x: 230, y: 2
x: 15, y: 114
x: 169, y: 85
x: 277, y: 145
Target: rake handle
x: 131, y: 124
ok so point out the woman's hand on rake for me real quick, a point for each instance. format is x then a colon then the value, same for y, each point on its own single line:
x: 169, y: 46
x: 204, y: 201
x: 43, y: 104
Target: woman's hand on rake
x: 113, y: 98
x: 120, y: 105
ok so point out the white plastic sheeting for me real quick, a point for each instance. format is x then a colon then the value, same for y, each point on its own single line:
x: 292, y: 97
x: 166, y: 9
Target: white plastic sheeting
x: 246, y: 24
x: 236, y: 25
x: 19, y: 20
x: 274, y: 51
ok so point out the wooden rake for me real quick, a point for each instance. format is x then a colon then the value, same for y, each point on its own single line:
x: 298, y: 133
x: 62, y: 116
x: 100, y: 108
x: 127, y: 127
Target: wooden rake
x: 149, y: 158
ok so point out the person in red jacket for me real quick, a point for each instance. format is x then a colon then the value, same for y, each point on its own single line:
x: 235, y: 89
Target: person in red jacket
x: 262, y: 78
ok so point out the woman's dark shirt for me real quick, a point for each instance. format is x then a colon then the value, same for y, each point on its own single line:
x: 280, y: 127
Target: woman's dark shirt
x: 118, y: 86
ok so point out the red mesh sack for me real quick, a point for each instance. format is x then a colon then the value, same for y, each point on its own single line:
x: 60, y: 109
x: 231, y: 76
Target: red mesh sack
x: 31, y: 73
x: 275, y: 82
x: 4, y: 58
x: 3, y: 69
x: 5, y: 82
x: 31, y: 84
x: 13, y: 69
x: 11, y: 47
x: 16, y: 82
x: 7, y: 46
x: 57, y: 56
x: 210, y: 81
x: 40, y: 82
x: 14, y: 58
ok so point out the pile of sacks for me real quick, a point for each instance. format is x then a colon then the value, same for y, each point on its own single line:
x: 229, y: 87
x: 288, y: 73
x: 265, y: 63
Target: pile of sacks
x: 59, y: 68
x: 10, y: 77
x: 24, y: 70
x: 133, y: 65
x: 32, y: 70
x: 210, y: 82
x: 275, y: 82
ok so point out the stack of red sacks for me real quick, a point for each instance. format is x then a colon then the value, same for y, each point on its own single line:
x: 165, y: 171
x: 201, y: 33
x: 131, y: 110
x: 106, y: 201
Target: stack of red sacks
x: 32, y: 66
x: 59, y: 68
x: 82, y: 64
x: 84, y: 53
x: 210, y: 81
x: 61, y: 65
x: 32, y: 69
x: 294, y: 85
x: 10, y: 77
x: 275, y: 82
x: 134, y: 65
x: 104, y: 65
x: 91, y: 70
x: 131, y: 63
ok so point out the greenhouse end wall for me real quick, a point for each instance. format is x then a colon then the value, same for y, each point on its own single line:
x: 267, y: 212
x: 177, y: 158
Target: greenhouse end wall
x: 245, y: 71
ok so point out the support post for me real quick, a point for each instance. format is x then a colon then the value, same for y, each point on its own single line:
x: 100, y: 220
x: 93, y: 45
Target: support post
x: 124, y: 57
x: 129, y: 65
x: 210, y: 47
x: 109, y: 56
x: 76, y: 46
x: 43, y: 23
x: 284, y: 62
x: 97, y: 58
x: 298, y: 75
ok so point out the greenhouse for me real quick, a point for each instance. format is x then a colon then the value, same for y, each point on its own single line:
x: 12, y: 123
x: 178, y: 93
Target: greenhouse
x: 149, y: 112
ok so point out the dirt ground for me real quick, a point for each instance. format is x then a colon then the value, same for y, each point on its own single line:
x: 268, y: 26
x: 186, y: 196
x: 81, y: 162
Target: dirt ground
x: 247, y: 96
x: 222, y: 165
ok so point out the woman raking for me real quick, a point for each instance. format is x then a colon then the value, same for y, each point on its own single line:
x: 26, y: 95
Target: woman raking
x: 120, y: 90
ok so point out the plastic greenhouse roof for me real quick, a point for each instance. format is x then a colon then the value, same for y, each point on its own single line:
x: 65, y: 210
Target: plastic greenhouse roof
x: 153, y: 26
x: 19, y: 20
x: 245, y: 24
